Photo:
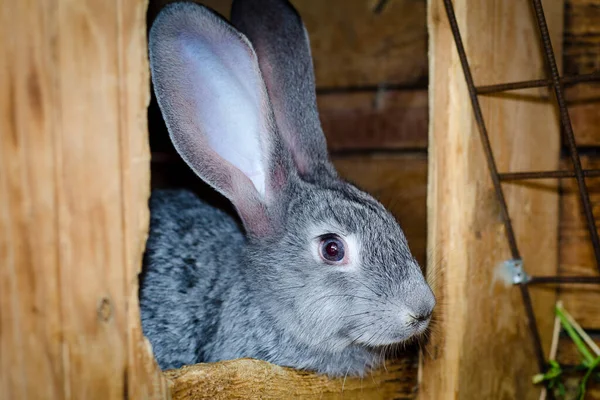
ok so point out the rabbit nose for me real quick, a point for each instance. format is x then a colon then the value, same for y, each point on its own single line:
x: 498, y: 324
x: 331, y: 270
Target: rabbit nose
x: 422, y: 311
x: 422, y: 317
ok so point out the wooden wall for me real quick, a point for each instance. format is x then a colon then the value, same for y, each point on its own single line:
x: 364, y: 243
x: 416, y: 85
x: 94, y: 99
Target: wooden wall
x: 581, y: 56
x: 482, y: 347
x: 74, y: 181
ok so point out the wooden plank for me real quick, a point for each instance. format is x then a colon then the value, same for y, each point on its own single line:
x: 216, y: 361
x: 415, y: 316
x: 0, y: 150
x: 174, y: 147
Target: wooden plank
x: 31, y: 364
x: 375, y: 120
x: 582, y: 56
x: 585, y: 119
x: 73, y: 164
x: 582, y: 36
x: 576, y: 252
x: 355, y: 44
x: 144, y: 378
x: 91, y: 256
x: 567, y: 351
x: 245, y: 378
x: 481, y: 347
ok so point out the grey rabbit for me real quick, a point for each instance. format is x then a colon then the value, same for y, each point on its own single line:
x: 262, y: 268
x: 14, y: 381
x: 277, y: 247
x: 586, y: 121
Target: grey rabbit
x: 318, y: 275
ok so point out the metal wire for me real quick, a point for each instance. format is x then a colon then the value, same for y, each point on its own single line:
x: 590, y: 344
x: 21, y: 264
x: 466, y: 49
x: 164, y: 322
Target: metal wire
x: 503, y: 87
x: 556, y: 83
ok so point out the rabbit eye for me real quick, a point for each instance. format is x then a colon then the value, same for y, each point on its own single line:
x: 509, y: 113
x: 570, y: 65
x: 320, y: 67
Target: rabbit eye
x: 331, y: 249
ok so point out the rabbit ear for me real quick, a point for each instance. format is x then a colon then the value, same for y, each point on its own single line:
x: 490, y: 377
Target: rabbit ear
x: 214, y: 102
x: 281, y: 43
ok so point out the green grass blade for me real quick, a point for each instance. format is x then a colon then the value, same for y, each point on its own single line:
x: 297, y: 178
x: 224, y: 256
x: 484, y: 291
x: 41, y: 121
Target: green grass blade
x: 581, y: 346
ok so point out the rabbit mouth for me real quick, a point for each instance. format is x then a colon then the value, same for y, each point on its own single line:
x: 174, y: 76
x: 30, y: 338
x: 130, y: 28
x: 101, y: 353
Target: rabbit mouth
x: 388, y: 336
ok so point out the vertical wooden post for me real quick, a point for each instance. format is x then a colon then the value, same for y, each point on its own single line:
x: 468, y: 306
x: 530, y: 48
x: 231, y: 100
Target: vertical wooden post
x: 74, y: 182
x: 481, y: 347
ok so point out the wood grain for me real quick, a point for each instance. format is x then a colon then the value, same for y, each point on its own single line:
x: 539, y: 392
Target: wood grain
x: 353, y: 45
x: 73, y: 176
x: 576, y: 252
x: 375, y: 120
x: 582, y: 36
x: 246, y: 378
x: 482, y: 348
x: 30, y: 305
x: 582, y: 56
x: 144, y: 378
x: 567, y: 351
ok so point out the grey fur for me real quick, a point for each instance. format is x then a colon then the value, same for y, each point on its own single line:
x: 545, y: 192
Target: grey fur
x: 211, y: 292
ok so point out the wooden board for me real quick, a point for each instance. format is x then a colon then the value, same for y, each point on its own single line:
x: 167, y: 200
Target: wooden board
x: 73, y: 189
x: 582, y: 36
x: 252, y: 379
x: 567, y: 351
x: 582, y: 56
x: 576, y: 252
x: 30, y: 304
x: 375, y: 120
x: 481, y: 348
x: 144, y: 378
x: 355, y: 44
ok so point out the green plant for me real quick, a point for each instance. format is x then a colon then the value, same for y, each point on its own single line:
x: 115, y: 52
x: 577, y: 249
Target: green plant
x: 585, y: 345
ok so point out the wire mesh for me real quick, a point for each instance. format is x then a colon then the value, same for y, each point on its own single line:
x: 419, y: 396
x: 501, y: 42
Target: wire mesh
x: 556, y: 83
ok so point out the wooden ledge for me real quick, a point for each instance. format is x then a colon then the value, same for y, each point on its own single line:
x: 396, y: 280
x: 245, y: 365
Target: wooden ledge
x: 248, y: 378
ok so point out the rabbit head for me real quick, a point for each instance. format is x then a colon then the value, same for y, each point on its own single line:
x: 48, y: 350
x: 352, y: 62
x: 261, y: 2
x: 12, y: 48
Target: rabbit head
x: 240, y: 106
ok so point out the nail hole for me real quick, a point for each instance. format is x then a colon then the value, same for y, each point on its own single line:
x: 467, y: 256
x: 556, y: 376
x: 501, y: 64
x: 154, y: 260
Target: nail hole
x: 104, y: 310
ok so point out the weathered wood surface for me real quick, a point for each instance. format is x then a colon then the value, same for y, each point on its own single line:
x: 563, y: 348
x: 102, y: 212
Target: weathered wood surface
x: 144, y: 378
x: 576, y: 251
x: 252, y: 379
x: 481, y: 348
x: 355, y: 44
x: 582, y: 36
x: 567, y: 351
x: 73, y: 188
x: 582, y: 56
x: 373, y: 120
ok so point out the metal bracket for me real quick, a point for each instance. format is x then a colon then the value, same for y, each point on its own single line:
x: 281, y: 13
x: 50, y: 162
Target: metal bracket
x: 517, y: 272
